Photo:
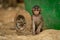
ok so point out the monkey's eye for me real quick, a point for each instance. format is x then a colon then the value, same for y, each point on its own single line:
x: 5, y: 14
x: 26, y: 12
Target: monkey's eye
x: 36, y: 9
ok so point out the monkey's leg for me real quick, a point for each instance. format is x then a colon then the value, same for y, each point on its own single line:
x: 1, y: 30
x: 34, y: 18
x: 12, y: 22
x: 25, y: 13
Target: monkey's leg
x: 33, y: 28
x: 39, y: 28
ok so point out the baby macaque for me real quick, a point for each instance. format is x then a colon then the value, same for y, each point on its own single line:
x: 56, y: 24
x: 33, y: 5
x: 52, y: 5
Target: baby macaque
x: 20, y: 23
x: 37, y: 20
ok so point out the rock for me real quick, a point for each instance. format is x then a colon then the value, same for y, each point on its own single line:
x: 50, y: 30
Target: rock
x: 27, y: 17
x: 7, y: 20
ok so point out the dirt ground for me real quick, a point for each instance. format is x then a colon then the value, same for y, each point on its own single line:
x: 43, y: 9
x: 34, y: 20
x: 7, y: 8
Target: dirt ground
x: 45, y: 35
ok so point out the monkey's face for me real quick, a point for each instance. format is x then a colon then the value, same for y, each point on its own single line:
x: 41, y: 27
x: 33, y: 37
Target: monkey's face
x: 36, y: 11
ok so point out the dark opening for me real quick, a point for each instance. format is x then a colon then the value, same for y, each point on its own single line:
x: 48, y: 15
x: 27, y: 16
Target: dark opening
x: 20, y: 1
x: 20, y: 17
x: 20, y: 22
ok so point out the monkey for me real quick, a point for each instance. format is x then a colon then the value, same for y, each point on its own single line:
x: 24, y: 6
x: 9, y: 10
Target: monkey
x: 37, y: 20
x: 20, y: 23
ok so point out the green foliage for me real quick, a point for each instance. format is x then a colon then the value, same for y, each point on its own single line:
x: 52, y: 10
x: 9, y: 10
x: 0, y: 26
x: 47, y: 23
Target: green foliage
x: 50, y: 10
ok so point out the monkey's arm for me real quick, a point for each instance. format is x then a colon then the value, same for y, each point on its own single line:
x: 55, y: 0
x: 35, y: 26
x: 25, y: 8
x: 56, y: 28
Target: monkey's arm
x: 33, y: 26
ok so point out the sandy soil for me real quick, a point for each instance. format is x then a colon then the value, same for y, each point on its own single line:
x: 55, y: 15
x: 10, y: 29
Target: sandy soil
x: 45, y: 35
